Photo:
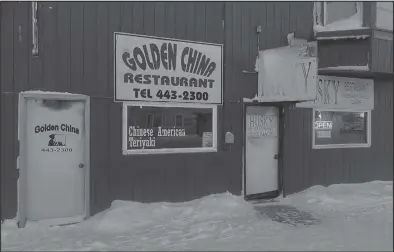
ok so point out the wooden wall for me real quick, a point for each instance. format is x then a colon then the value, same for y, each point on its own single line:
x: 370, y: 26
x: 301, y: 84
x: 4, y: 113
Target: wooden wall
x: 382, y: 55
x: 305, y: 167
x: 76, y: 55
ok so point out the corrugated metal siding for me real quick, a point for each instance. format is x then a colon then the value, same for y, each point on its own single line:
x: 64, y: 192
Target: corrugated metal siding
x: 382, y: 55
x: 305, y: 167
x: 76, y: 55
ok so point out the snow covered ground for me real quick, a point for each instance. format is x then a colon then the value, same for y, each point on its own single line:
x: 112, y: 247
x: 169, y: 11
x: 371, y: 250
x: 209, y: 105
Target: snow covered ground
x: 339, y: 217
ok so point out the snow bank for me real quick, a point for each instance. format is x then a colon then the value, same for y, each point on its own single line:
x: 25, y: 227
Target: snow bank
x: 344, y: 37
x: 351, y: 217
x: 125, y: 216
x: 346, y: 197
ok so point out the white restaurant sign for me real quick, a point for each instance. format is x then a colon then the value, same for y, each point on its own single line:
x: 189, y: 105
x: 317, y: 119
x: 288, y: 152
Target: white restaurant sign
x: 342, y: 93
x: 169, y: 70
x: 284, y: 75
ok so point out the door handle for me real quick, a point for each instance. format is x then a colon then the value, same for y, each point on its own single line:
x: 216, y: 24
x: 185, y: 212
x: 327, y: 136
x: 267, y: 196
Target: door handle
x: 276, y: 156
x: 81, y: 165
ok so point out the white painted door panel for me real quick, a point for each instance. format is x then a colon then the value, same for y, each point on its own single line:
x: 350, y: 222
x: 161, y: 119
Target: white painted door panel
x: 262, y: 144
x: 55, y: 149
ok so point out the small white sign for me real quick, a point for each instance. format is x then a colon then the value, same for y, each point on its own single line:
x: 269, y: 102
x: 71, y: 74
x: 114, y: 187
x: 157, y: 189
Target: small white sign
x: 167, y: 70
x: 207, y: 139
x: 342, y: 93
x: 323, y: 133
x: 262, y: 125
x: 323, y: 125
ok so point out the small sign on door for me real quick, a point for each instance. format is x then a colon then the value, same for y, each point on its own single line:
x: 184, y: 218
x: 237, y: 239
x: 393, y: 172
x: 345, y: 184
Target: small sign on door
x: 262, y: 125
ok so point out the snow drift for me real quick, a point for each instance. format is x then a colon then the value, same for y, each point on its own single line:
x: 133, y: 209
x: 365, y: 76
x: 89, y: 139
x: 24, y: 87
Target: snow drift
x: 351, y: 217
x: 126, y: 216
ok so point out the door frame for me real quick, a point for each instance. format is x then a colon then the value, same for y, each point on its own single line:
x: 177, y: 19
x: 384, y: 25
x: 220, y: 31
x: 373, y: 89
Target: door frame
x: 281, y: 124
x: 21, y: 159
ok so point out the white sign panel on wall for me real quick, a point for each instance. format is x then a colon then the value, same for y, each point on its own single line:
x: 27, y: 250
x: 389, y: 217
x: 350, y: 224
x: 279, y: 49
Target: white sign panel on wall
x: 284, y: 75
x: 207, y: 138
x: 167, y: 70
x: 342, y: 93
x: 261, y: 125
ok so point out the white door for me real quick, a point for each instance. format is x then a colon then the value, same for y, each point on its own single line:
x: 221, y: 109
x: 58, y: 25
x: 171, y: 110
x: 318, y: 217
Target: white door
x: 262, y: 146
x: 55, y: 176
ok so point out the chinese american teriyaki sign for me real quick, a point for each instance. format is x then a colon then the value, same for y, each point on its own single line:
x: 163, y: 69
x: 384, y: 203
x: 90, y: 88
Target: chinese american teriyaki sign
x: 169, y: 70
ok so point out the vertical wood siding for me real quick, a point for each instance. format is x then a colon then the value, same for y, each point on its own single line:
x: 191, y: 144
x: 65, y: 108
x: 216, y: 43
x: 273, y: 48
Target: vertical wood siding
x: 305, y: 167
x: 76, y: 55
x: 382, y: 55
x: 343, y: 52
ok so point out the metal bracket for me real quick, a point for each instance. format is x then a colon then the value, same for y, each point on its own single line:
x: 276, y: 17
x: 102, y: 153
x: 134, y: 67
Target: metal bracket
x: 249, y: 72
x: 258, y: 29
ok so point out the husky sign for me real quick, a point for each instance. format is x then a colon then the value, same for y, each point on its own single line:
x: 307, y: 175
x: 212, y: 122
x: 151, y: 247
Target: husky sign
x: 167, y: 70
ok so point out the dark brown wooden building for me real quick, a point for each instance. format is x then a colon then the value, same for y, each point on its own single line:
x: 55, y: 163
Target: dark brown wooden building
x: 69, y: 47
